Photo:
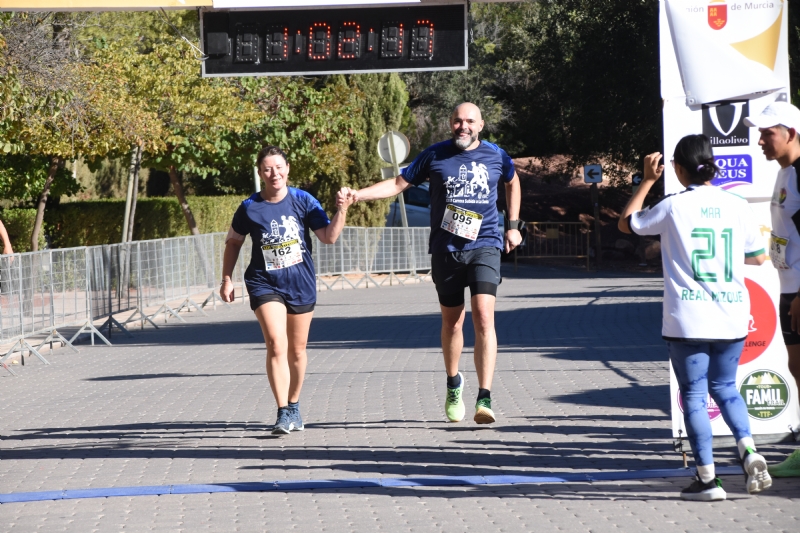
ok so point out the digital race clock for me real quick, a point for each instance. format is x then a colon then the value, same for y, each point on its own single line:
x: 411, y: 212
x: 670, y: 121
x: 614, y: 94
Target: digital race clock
x: 328, y: 41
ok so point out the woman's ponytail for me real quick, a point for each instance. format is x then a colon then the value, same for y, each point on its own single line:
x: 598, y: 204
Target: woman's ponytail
x: 693, y: 153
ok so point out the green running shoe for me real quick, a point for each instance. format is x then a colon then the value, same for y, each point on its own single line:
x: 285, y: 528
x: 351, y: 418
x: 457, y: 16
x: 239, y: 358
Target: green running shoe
x: 483, y: 411
x: 454, y: 405
x: 789, y: 468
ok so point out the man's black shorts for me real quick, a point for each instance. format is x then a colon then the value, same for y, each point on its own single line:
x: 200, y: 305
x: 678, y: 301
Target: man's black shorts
x: 478, y: 269
x: 789, y: 337
x: 258, y: 301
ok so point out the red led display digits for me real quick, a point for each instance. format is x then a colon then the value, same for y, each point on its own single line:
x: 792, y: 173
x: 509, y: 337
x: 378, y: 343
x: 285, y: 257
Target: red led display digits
x: 392, y: 35
x: 341, y: 37
x: 422, y: 40
x: 298, y: 43
x: 277, y: 44
x: 349, y: 46
x: 319, y: 41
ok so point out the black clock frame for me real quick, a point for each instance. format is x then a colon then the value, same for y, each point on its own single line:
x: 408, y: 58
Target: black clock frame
x: 283, y: 42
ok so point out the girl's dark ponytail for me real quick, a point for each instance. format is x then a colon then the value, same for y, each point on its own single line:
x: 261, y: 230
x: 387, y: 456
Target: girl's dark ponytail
x: 693, y: 153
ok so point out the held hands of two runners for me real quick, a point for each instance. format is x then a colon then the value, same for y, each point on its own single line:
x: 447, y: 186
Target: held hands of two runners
x: 345, y: 198
x: 652, y: 170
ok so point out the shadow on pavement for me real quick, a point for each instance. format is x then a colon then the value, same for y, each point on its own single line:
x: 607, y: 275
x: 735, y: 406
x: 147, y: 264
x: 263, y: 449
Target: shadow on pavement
x: 129, y: 377
x: 636, y: 447
x: 544, y: 327
x: 649, y: 397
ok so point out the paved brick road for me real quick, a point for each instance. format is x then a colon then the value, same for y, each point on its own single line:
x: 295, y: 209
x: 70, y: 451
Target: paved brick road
x: 581, y: 386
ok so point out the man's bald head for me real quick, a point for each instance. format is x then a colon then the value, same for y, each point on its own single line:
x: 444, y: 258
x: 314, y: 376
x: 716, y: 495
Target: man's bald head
x: 467, y: 108
x: 466, y: 123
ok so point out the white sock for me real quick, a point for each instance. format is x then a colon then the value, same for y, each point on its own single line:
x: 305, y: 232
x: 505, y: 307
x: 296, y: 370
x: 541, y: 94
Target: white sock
x: 706, y: 473
x: 743, y: 444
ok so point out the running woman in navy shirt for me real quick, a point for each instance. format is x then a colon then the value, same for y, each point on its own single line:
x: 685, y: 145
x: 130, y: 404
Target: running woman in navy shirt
x: 465, y: 243
x: 280, y: 279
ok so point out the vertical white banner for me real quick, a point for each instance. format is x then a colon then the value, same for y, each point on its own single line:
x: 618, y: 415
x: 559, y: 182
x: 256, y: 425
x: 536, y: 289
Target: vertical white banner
x: 721, y: 61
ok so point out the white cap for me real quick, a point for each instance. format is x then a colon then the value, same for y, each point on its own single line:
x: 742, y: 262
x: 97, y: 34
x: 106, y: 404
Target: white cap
x: 776, y: 113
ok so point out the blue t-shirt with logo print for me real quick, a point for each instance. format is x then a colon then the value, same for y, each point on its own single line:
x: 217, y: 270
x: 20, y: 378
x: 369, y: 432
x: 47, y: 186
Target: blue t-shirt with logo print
x: 268, y: 224
x: 467, y: 179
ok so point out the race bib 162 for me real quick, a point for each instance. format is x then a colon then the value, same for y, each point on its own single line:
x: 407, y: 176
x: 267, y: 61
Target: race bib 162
x: 282, y: 254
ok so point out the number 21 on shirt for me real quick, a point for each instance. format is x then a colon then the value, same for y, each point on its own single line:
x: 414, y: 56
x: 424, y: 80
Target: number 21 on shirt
x: 709, y: 251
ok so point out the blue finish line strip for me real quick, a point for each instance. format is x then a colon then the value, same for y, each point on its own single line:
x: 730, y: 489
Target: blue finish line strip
x: 359, y: 483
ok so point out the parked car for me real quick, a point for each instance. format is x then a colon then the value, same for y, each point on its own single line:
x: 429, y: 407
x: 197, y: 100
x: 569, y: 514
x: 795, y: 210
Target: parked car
x: 418, y: 208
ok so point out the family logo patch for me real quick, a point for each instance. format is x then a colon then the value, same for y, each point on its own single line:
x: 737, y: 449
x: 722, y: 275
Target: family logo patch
x: 734, y: 170
x: 765, y: 393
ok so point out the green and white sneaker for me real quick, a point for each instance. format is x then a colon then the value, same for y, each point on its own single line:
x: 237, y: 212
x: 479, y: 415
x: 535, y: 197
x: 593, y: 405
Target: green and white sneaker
x: 483, y: 411
x: 755, y: 468
x: 454, y: 404
x: 789, y: 468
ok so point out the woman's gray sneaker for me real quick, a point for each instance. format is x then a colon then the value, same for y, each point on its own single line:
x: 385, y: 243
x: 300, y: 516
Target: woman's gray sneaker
x: 297, y: 420
x: 284, y: 423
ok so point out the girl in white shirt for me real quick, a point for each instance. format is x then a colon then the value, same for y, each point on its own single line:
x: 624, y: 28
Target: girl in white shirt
x: 707, y: 235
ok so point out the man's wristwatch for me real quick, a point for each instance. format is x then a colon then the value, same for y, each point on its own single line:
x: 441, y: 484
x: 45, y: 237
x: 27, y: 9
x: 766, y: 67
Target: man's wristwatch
x: 516, y: 224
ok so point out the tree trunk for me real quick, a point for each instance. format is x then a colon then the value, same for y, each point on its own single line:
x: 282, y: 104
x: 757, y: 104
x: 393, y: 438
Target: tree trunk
x: 128, y: 194
x: 130, y: 213
x: 135, y: 193
x: 37, y: 226
x: 187, y: 212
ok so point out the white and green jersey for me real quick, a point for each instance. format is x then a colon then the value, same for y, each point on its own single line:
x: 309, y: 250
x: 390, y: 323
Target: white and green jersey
x: 706, y: 233
x: 785, y: 242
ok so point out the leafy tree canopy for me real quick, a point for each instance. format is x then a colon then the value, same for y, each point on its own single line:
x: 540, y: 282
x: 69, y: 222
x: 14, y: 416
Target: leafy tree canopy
x: 571, y: 77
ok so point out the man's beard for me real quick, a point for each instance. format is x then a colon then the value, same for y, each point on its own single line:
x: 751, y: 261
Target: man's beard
x: 464, y: 143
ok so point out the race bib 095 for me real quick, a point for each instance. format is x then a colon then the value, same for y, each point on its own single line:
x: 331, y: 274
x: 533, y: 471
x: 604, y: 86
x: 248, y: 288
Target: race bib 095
x: 462, y: 222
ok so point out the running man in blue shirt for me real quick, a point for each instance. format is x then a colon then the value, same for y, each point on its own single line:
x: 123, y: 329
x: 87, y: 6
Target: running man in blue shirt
x: 465, y: 243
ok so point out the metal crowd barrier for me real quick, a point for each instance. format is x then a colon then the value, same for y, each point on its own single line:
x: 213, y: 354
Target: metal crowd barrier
x: 360, y: 253
x: 556, y: 240
x: 44, y: 292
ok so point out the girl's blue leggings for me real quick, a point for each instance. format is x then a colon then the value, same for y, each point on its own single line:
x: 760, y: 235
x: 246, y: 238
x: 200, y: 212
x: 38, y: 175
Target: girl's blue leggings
x: 703, y: 368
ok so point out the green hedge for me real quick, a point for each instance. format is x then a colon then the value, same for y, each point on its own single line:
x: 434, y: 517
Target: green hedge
x: 19, y: 225
x: 89, y: 223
